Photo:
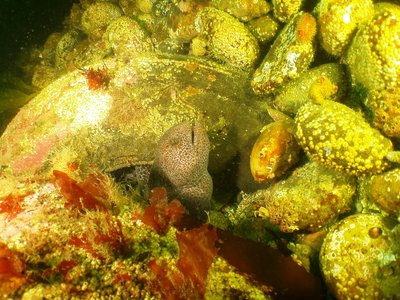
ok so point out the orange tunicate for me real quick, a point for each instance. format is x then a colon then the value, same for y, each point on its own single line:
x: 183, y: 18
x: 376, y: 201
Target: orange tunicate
x: 274, y: 152
x: 306, y: 28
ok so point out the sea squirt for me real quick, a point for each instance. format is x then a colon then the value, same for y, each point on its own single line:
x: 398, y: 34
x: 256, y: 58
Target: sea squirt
x: 338, y: 137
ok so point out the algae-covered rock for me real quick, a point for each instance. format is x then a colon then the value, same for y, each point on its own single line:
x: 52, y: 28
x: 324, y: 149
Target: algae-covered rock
x: 359, y: 258
x: 385, y: 111
x: 284, y: 10
x: 98, y: 16
x: 126, y: 37
x: 263, y: 28
x: 275, y: 151
x: 244, y: 10
x: 119, y: 124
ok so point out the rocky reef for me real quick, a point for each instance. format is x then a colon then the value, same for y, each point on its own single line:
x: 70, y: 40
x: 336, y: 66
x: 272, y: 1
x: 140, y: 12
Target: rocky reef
x: 169, y: 149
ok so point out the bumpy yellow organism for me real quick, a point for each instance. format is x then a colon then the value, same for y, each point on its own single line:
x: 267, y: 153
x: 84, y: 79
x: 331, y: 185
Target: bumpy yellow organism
x: 244, y: 10
x: 370, y: 244
x: 310, y: 198
x: 227, y: 38
x: 374, y: 54
x: 296, y: 93
x: 340, y: 138
x: 285, y: 9
x: 338, y: 21
x: 385, y: 191
x: 290, y: 55
x: 263, y: 28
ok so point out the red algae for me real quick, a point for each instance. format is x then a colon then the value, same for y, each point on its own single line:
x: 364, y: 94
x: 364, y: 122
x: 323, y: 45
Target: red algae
x: 265, y: 265
x: 12, y: 205
x: 94, y: 185
x: 64, y: 266
x: 170, y: 283
x: 12, y: 270
x: 92, y: 240
x: 161, y: 214
x: 120, y: 279
x: 196, y: 253
x: 75, y: 195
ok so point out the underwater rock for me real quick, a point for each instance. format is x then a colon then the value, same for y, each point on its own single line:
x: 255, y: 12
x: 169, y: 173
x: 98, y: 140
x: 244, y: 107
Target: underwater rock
x: 310, y: 198
x: 289, y: 56
x: 177, y: 19
x: 374, y: 53
x: 180, y: 165
x: 65, y: 48
x: 263, y: 28
x: 98, y: 16
x: 338, y: 137
x: 119, y: 126
x: 360, y: 258
x: 338, y: 21
x: 126, y: 37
